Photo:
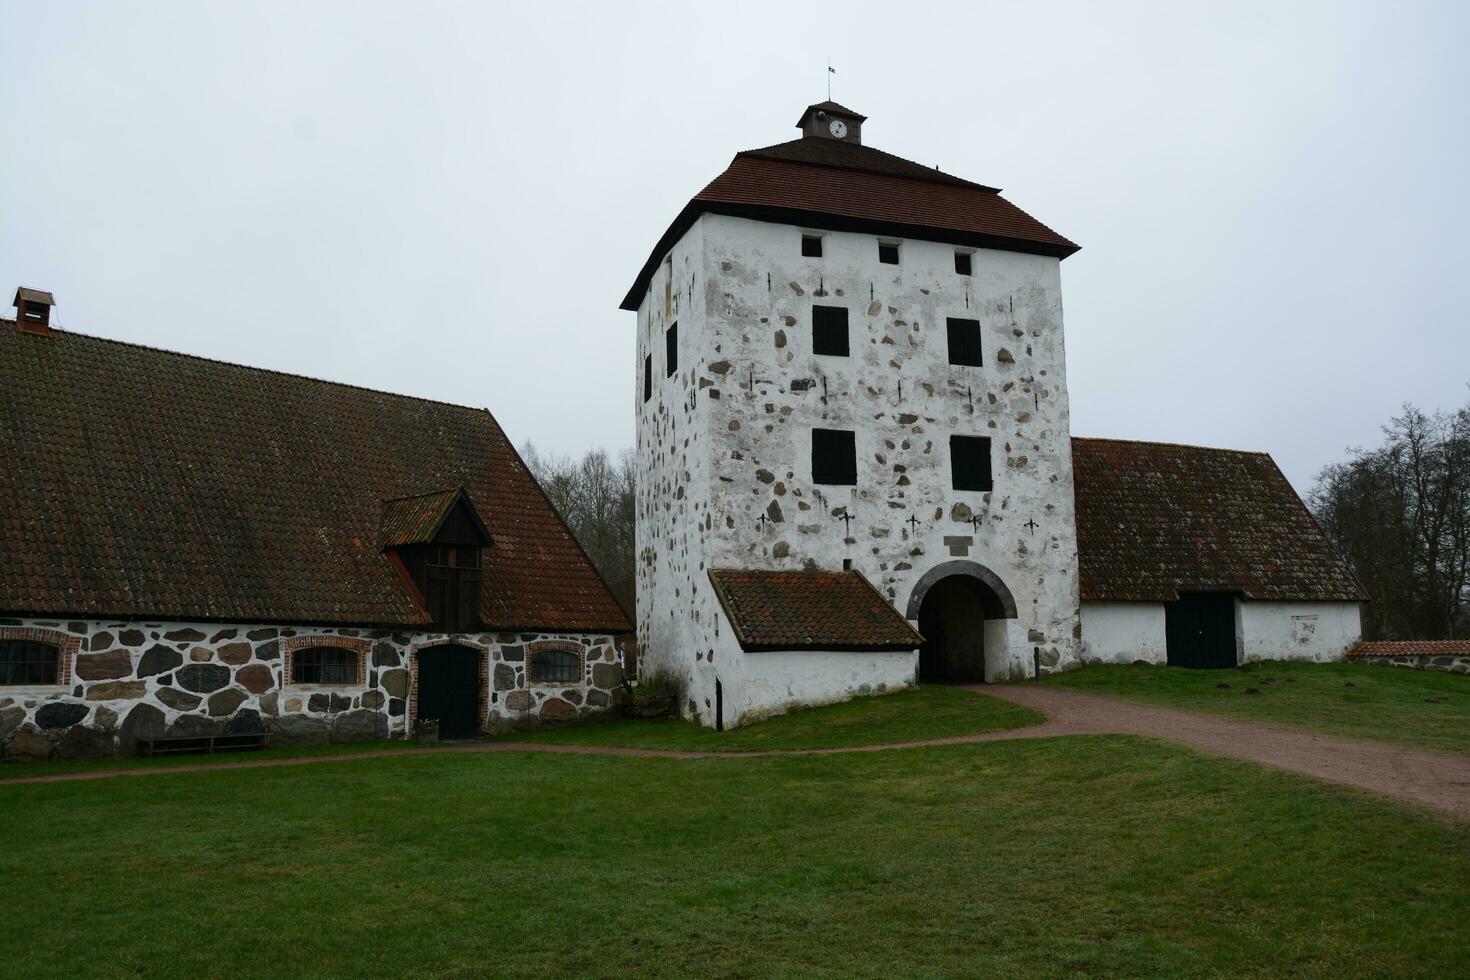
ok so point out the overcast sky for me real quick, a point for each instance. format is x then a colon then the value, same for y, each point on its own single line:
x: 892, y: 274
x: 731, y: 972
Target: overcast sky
x: 450, y: 200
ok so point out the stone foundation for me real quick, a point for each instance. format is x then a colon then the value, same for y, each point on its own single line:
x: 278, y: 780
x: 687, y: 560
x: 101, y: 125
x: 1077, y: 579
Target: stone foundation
x: 122, y: 681
x: 1449, y: 664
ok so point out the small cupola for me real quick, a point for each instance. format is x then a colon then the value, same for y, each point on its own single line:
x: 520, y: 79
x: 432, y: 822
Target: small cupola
x: 830, y: 121
x: 33, y: 309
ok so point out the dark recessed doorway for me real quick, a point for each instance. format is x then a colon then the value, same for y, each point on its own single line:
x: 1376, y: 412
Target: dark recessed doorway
x: 1199, y: 630
x: 449, y: 690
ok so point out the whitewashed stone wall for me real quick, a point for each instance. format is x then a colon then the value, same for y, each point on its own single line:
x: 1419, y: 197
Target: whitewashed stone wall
x: 1123, y: 632
x: 146, y: 679
x: 725, y: 446
x: 1318, y: 631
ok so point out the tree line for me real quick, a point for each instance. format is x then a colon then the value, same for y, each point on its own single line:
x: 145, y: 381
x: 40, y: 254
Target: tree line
x: 594, y: 495
x: 1400, y: 515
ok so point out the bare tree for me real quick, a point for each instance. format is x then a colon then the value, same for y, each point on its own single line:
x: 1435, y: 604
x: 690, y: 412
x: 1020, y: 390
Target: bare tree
x: 594, y: 496
x: 1401, y: 515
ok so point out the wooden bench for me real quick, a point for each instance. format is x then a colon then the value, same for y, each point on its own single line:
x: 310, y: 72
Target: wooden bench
x: 201, y: 744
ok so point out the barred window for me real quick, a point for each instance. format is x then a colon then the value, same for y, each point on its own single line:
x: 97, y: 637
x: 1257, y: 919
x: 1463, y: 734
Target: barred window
x: 556, y: 666
x: 324, y: 665
x: 29, y: 662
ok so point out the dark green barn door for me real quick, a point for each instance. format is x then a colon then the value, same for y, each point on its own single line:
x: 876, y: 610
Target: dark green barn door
x: 1199, y: 630
x: 449, y: 690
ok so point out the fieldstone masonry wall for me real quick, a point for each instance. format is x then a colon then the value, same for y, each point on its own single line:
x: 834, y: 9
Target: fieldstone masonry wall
x: 724, y: 445
x: 126, y: 680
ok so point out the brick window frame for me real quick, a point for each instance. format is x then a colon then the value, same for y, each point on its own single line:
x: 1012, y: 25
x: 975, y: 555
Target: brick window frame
x: 291, y: 644
x: 559, y: 646
x: 411, y: 713
x: 67, y: 647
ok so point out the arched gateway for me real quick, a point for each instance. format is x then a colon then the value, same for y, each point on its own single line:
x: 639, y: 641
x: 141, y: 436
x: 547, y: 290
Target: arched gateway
x: 961, y: 608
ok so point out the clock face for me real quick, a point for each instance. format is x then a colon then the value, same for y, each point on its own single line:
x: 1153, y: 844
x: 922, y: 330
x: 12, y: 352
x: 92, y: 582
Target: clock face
x: 837, y: 128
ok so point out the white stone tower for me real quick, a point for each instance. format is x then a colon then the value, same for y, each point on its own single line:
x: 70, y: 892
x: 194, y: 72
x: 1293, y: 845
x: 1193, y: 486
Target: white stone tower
x: 847, y: 360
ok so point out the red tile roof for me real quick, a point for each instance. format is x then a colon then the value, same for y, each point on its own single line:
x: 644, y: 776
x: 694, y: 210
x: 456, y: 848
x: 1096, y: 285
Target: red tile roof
x: 809, y: 610
x: 143, y: 483
x: 1155, y: 519
x: 843, y: 186
x: 416, y: 520
x: 1411, y: 648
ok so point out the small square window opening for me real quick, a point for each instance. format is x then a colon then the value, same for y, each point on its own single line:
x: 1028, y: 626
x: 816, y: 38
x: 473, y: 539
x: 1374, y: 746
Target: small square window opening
x: 811, y: 246
x: 834, y: 457
x: 888, y: 253
x: 962, y: 263
x: 964, y: 341
x: 829, y: 330
x: 969, y: 461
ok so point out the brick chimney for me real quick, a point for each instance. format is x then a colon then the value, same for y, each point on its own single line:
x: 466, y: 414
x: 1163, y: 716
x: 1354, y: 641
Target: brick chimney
x: 33, y: 309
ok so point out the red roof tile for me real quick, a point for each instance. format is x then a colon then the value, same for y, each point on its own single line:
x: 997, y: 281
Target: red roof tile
x: 842, y: 186
x: 415, y: 520
x: 809, y: 610
x: 1411, y: 648
x: 1155, y: 519
x: 143, y: 483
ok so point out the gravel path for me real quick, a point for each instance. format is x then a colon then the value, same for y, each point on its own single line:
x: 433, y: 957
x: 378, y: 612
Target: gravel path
x: 1435, y: 780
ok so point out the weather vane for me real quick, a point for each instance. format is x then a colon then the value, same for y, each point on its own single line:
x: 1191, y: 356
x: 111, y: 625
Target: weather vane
x: 830, y: 72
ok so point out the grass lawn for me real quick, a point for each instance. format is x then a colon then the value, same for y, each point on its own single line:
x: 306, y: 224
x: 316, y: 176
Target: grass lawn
x: 1065, y: 856
x: 1427, y: 709
x: 16, y: 770
x: 904, y: 716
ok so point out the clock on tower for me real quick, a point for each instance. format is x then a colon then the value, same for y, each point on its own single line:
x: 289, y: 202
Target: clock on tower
x: 828, y: 120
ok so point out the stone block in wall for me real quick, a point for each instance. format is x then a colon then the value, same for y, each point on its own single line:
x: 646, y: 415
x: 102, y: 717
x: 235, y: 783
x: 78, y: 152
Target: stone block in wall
x: 158, y: 659
x: 290, y: 730
x: 85, y: 742
x: 505, y: 677
x: 60, y: 714
x: 225, y: 702
x: 143, y: 721
x: 195, y: 726
x: 246, y: 722
x: 386, y: 654
x: 234, y: 654
x: 555, y: 709
x: 28, y: 746
x: 607, y: 676
x: 514, y: 701
x: 203, y: 678
x: 255, y: 678
x: 395, y: 682
x: 268, y: 651
x: 359, y: 726
x: 177, y: 700
x: 10, y: 719
x: 117, y: 691
x: 103, y: 666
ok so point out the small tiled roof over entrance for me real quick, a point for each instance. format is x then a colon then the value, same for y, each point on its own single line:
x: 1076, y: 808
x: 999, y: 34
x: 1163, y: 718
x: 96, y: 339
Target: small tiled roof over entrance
x: 147, y: 484
x: 1411, y: 648
x: 809, y: 610
x: 1155, y: 519
x: 822, y: 183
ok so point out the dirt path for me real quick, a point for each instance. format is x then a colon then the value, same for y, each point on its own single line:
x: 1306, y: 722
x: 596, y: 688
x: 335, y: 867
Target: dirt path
x: 1435, y: 780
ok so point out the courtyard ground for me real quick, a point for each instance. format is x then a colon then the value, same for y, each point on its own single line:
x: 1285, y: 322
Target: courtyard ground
x: 1029, y: 858
x: 1425, y: 709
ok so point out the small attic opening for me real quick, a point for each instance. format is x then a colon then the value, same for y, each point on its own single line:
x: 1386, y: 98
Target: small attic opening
x: 438, y: 540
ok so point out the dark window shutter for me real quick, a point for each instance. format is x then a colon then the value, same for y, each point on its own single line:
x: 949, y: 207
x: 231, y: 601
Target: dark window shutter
x: 671, y: 350
x: 829, y: 330
x: 469, y: 599
x: 834, y: 457
x: 438, y: 595
x: 647, y: 377
x: 964, y: 341
x: 969, y: 460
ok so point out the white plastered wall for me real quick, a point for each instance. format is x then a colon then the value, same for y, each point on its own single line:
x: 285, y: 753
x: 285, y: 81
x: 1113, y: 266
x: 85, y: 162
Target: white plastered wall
x: 1122, y: 632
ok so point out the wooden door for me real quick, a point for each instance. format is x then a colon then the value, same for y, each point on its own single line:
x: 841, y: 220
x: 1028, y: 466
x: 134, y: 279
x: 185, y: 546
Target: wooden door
x: 1199, y: 631
x: 449, y: 690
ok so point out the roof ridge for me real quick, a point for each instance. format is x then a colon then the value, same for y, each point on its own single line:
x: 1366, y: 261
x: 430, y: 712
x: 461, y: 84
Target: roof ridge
x: 1177, y: 445
x: 764, y: 153
x: 251, y: 367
